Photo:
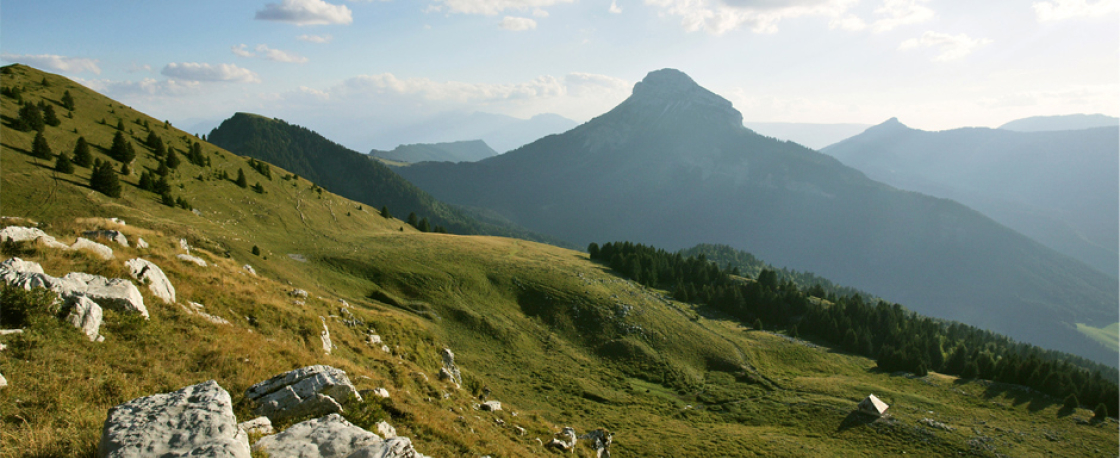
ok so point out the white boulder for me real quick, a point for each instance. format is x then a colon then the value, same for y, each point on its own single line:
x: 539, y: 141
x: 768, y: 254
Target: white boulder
x: 450, y: 371
x: 98, y: 249
x: 86, y: 315
x: 147, y: 272
x: 183, y: 244
x: 196, y: 421
x: 565, y: 440
x: 326, y: 437
x: 249, y: 269
x: 312, y: 390
x: 385, y: 430
x: 21, y: 234
x: 395, y: 447
x: 117, y: 294
x: 115, y: 236
x: 259, y: 425
x: 191, y: 259
x: 325, y: 336
x: 3, y: 381
x: 140, y: 243
x: 492, y: 406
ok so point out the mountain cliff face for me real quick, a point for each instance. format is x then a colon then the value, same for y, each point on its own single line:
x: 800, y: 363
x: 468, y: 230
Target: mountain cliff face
x: 1059, y: 188
x: 673, y: 166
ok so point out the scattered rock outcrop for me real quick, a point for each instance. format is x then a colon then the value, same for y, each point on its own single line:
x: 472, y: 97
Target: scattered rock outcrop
x: 249, y: 269
x: 86, y: 315
x: 141, y: 244
x: 334, y: 437
x: 312, y: 390
x: 194, y: 308
x: 564, y: 441
x: 450, y: 371
x: 385, y: 430
x: 145, y: 271
x: 601, y: 441
x: 115, y: 236
x: 325, y: 336
x: 100, y: 250
x: 492, y: 406
x: 117, y: 294
x: 191, y: 259
x: 195, y: 421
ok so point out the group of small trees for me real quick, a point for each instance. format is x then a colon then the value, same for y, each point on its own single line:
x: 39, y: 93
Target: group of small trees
x: 421, y: 224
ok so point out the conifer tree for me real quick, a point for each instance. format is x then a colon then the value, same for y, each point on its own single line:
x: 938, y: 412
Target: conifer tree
x: 172, y: 158
x: 30, y: 118
x: 119, y: 149
x: 424, y: 225
x: 241, y: 181
x: 82, y: 155
x: 68, y: 100
x: 256, y: 250
x: 145, y: 181
x: 104, y: 180
x: 1100, y: 413
x: 167, y: 199
x: 258, y: 188
x: 385, y: 212
x: 120, y: 125
x: 125, y: 169
x: 40, y: 148
x: 49, y: 117
x: 63, y: 164
x: 412, y: 219
x: 162, y: 169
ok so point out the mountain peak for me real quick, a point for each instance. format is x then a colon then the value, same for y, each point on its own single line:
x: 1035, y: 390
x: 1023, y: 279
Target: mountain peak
x: 665, y: 81
x: 669, y: 93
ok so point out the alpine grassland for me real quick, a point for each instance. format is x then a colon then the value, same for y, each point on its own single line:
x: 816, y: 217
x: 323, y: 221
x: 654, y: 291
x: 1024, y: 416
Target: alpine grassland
x: 558, y: 339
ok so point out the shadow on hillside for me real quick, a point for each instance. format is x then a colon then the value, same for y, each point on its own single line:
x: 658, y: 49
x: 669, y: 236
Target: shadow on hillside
x: 855, y: 419
x: 1018, y: 394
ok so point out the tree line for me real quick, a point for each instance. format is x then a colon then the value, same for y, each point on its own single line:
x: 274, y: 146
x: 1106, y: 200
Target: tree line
x: 898, y: 339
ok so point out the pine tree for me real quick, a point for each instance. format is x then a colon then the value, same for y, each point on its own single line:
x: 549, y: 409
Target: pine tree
x: 125, y: 169
x: 385, y: 212
x: 1071, y: 402
x: 30, y: 118
x: 167, y: 199
x: 424, y: 225
x: 119, y: 150
x: 1101, y: 412
x: 68, y: 101
x: 45, y: 83
x: 145, y: 181
x: 258, y: 188
x: 172, y: 158
x: 104, y: 180
x: 63, y: 164
x: 256, y: 250
x: 120, y: 125
x: 162, y: 169
x: 412, y: 220
x: 40, y: 148
x: 82, y: 155
x: 241, y: 181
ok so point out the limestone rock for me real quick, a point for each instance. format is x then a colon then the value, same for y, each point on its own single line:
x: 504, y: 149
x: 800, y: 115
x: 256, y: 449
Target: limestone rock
x: 492, y: 406
x: 117, y: 294
x: 22, y: 234
x: 195, y: 421
x: 385, y: 430
x: 601, y: 441
x: 194, y: 308
x: 86, y: 315
x: 520, y: 431
x: 381, y: 392
x: 298, y: 293
x: 396, y: 447
x: 24, y: 274
x: 140, y: 243
x: 325, y: 336
x: 115, y: 236
x: 450, y: 371
x: 565, y: 440
x: 312, y: 390
x: 249, y: 269
x: 326, y: 437
x: 19, y: 265
x: 259, y: 425
x: 100, y: 250
x: 118, y: 221
x: 184, y: 246
x: 147, y: 272
x: 3, y: 381
x: 191, y: 259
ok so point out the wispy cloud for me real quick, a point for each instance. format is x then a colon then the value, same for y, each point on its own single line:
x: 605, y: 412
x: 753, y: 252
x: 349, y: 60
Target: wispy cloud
x: 761, y: 16
x: 897, y: 13
x: 315, y: 38
x: 193, y: 71
x: 615, y: 8
x: 492, y: 7
x: 55, y: 62
x: 264, y: 51
x: 517, y: 24
x: 145, y: 87
x: 306, y: 12
x: 951, y: 47
x: 1059, y: 10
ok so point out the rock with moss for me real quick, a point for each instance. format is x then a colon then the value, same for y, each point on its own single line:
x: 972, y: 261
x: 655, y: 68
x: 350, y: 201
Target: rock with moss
x: 450, y: 371
x: 86, y: 315
x: 196, y: 421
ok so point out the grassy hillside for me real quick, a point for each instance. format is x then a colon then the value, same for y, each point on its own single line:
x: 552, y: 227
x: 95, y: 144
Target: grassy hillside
x: 560, y: 340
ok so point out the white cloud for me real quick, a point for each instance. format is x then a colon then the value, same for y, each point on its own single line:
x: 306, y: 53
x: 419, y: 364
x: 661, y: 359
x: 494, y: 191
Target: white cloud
x: 55, y: 62
x: 899, y: 13
x: 540, y: 13
x: 517, y: 24
x: 493, y: 7
x: 762, y: 16
x: 242, y: 50
x: 849, y: 22
x: 192, y: 71
x: 615, y: 8
x: 144, y: 87
x: 316, y: 38
x: 951, y: 47
x: 279, y: 55
x: 306, y: 12
x: 1058, y: 10
x: 136, y: 68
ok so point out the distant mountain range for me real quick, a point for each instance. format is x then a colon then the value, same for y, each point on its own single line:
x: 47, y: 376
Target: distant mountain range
x: 1063, y: 122
x: 673, y: 166
x: 500, y: 132
x: 1059, y: 188
x: 462, y: 151
x: 815, y: 136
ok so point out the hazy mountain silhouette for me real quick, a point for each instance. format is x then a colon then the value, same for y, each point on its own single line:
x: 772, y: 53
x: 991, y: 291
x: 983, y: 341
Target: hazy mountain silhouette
x: 813, y: 135
x: 462, y: 151
x: 1063, y: 122
x: 673, y: 166
x: 1059, y: 188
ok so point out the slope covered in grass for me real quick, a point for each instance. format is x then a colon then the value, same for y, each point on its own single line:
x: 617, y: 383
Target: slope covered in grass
x: 559, y: 340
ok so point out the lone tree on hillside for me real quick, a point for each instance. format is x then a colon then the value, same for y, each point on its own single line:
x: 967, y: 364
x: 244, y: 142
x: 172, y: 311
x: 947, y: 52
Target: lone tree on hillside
x: 68, y: 101
x: 49, y: 117
x: 256, y: 250
x: 104, y: 180
x: 172, y: 158
x: 241, y: 181
x: 385, y: 212
x: 82, y: 155
x: 40, y: 148
x: 120, y: 125
x: 63, y: 164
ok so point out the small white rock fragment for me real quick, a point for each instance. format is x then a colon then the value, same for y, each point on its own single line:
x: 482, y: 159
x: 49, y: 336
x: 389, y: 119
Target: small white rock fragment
x: 191, y: 259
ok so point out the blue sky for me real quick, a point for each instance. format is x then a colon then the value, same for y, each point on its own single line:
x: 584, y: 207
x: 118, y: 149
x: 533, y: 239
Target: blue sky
x: 338, y: 66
